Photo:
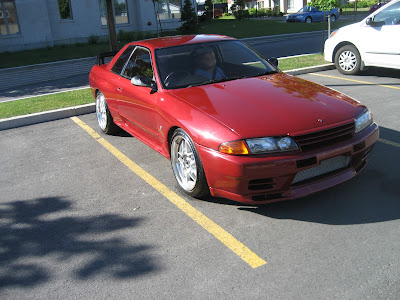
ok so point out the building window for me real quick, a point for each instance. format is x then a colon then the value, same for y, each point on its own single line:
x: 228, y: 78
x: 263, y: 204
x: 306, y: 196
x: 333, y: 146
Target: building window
x: 291, y: 4
x: 169, y: 9
x: 65, y: 9
x: 8, y: 18
x: 120, y: 10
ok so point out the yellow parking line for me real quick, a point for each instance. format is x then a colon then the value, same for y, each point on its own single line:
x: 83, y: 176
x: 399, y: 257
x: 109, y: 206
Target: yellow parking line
x: 394, y: 144
x: 358, y: 81
x: 222, y: 235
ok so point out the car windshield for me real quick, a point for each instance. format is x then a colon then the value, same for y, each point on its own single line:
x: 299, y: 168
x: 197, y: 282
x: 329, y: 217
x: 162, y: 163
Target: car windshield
x: 204, y: 63
x: 306, y: 9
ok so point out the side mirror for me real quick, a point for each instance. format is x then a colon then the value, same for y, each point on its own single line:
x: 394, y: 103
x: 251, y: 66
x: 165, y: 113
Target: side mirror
x: 274, y: 61
x: 372, y: 23
x: 140, y: 80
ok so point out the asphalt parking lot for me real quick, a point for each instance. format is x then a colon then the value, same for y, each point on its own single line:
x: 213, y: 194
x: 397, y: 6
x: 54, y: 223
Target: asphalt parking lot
x: 90, y: 216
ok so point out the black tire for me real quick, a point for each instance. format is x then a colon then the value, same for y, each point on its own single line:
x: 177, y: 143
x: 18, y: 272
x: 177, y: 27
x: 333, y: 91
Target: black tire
x: 308, y: 20
x: 104, y: 118
x: 348, y: 60
x: 186, y: 165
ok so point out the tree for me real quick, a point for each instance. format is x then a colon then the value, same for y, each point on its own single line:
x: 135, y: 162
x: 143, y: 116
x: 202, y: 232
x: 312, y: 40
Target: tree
x: 157, y: 16
x: 189, y: 18
x: 111, y: 26
x: 208, y: 7
x: 325, y: 5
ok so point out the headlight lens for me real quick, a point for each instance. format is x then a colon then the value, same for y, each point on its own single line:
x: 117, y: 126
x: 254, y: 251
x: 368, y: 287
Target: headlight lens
x: 259, y: 146
x: 363, y: 121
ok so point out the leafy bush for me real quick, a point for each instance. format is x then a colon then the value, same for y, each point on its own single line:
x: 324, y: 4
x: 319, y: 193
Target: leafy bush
x: 361, y: 3
x: 93, y: 40
x: 241, y: 14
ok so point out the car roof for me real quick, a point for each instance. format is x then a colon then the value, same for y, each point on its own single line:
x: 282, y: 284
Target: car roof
x: 178, y: 40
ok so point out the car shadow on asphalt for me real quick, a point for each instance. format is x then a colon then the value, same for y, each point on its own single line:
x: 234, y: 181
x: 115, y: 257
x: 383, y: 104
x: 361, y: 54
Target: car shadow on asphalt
x: 35, y: 229
x: 381, y: 72
x: 372, y: 196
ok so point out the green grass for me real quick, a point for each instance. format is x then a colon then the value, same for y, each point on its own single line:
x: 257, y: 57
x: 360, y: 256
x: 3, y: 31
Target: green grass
x: 291, y: 63
x: 45, y: 103
x: 84, y: 96
x: 260, y: 27
x: 49, y: 54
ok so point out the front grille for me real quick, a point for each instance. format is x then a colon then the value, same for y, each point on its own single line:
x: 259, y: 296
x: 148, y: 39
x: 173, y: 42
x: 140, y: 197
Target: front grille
x: 326, y: 166
x: 326, y: 137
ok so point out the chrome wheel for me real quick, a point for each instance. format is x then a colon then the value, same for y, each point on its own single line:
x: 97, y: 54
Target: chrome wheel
x: 104, y: 118
x: 187, y: 166
x: 347, y: 61
x: 184, y: 163
x: 101, y: 111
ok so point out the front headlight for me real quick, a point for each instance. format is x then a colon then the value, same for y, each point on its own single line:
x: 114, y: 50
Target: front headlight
x: 259, y: 146
x: 363, y: 121
x: 334, y: 33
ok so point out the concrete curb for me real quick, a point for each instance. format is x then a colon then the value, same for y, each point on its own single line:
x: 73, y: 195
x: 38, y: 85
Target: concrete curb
x: 68, y: 112
x: 311, y: 69
x: 46, y: 116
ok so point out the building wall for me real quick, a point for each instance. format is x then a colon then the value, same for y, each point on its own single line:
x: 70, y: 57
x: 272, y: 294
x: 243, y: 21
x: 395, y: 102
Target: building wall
x: 41, y: 25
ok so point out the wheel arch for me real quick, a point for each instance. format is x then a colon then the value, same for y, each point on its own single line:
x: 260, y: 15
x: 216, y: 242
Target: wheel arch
x: 169, y: 137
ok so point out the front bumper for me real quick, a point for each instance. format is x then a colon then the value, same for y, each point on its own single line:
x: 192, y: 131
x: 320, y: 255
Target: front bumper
x: 329, y: 48
x: 294, y: 19
x: 269, y: 178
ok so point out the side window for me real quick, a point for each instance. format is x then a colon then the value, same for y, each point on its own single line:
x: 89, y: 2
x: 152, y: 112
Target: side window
x: 120, y: 63
x: 139, y: 64
x: 390, y: 15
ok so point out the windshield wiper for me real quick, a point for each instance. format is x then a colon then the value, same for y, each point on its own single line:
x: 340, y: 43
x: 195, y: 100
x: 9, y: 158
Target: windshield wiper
x: 232, y: 78
x: 217, y: 80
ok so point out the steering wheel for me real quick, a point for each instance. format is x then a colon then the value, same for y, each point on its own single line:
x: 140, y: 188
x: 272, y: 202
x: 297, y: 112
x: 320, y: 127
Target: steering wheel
x: 175, y: 76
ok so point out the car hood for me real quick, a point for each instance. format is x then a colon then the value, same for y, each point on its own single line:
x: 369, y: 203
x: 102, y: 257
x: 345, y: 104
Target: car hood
x: 271, y: 105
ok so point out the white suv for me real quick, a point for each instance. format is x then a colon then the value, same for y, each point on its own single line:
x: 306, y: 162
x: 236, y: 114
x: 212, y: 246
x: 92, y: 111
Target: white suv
x: 375, y: 41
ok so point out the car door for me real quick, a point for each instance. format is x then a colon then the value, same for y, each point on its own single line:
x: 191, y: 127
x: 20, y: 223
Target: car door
x: 137, y: 104
x: 317, y: 15
x: 382, y: 38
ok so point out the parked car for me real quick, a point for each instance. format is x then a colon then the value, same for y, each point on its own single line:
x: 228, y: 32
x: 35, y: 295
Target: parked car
x: 372, y: 42
x: 376, y: 6
x: 231, y: 123
x: 217, y: 13
x: 310, y: 14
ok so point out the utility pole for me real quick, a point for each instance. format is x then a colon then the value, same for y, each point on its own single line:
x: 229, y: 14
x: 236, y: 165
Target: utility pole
x: 111, y: 26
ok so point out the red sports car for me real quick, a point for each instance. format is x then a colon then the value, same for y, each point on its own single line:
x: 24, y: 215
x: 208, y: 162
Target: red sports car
x: 231, y: 123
